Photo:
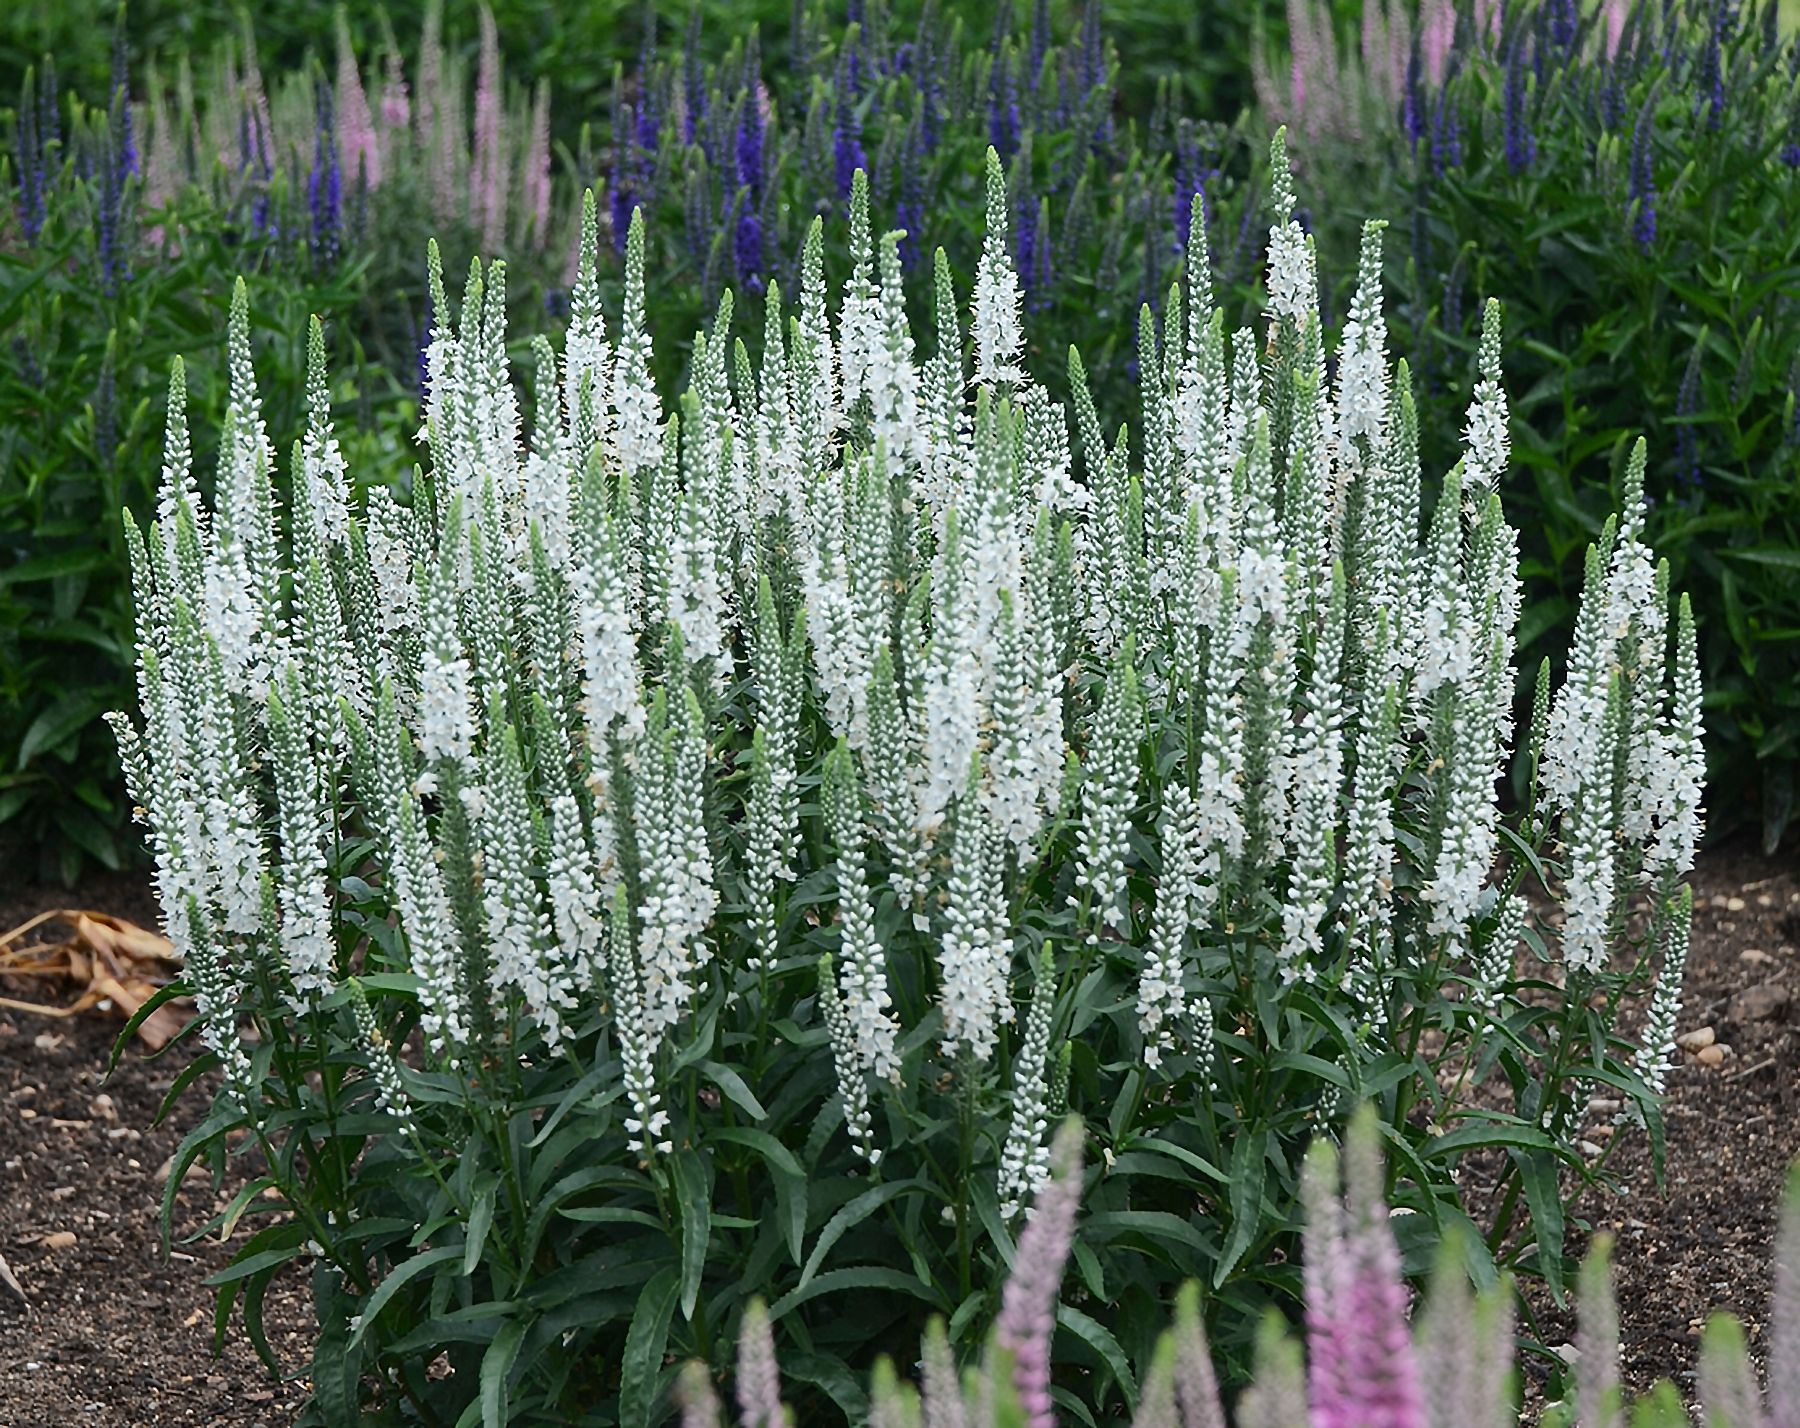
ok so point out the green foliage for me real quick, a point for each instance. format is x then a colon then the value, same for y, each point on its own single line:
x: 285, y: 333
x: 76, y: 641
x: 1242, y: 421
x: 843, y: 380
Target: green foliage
x: 82, y: 379
x: 1691, y: 336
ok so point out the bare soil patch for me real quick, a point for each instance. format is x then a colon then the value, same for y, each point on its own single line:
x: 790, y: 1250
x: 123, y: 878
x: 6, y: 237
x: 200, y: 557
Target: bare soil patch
x: 115, y: 1337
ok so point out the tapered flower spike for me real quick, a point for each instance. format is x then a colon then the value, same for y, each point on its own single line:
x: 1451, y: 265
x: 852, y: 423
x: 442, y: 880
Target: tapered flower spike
x: 1024, y: 1158
x: 1448, y: 1368
x: 1727, y: 1381
x: 1784, y: 1312
x: 941, y: 1395
x: 699, y: 1402
x: 1362, y: 1369
x: 892, y: 1404
x: 1196, y: 1386
x: 1028, y: 1302
x: 1276, y: 1397
x: 1156, y: 1396
x: 1599, y: 1398
x: 758, y: 1377
x: 999, y: 339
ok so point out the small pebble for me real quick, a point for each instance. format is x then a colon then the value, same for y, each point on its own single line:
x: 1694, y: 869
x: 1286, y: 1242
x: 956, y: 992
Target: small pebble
x: 1711, y: 1055
x: 1696, y: 1040
x: 1735, y: 904
x: 1755, y: 956
x: 59, y: 1240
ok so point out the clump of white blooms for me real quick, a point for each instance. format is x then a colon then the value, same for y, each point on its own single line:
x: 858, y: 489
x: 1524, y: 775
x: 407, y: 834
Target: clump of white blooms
x: 578, y: 709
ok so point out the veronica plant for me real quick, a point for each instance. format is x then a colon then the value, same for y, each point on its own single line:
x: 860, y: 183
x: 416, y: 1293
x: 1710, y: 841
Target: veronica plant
x: 698, y: 851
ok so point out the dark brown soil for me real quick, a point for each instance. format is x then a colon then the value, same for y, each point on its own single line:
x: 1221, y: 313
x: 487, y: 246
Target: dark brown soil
x: 116, y: 1336
x: 1733, y: 1129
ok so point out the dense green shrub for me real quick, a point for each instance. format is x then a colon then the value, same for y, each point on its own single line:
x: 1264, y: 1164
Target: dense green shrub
x: 93, y: 317
x: 669, y: 864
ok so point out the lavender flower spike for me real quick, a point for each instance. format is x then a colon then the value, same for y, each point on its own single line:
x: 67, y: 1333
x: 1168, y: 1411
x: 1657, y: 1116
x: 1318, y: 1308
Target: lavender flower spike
x: 1364, y: 1373
x: 694, y: 1392
x: 758, y: 1376
x: 1598, y: 1397
x: 1196, y: 1386
x: 1784, y: 1313
x: 1028, y: 1303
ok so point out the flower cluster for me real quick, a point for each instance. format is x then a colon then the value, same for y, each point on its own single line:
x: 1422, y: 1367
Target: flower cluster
x: 848, y: 706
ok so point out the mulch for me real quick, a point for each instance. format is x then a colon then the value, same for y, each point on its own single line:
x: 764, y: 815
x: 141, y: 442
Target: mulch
x: 116, y: 1335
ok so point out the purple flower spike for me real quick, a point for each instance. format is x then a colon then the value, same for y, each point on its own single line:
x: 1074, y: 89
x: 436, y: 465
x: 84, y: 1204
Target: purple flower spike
x: 120, y: 94
x: 1642, y: 184
x: 1028, y: 1303
x: 847, y: 149
x: 1521, y: 144
x: 325, y: 185
x: 758, y: 1377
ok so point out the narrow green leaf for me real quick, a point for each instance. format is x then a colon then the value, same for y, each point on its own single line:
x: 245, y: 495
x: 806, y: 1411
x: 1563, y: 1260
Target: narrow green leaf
x: 1100, y: 1339
x: 849, y: 1217
x: 397, y: 1281
x: 693, y: 1193
x: 496, y: 1368
x: 481, y: 1218
x: 645, y: 1344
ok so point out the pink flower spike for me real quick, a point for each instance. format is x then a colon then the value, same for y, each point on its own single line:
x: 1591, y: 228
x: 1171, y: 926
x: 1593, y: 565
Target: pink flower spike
x: 694, y: 1392
x: 1028, y: 1303
x: 1437, y: 31
x: 358, y: 151
x: 1363, y: 1371
x: 489, y: 196
x: 537, y: 168
x: 1614, y: 12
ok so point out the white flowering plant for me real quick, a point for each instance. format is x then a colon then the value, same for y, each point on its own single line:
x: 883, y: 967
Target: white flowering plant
x: 691, y: 854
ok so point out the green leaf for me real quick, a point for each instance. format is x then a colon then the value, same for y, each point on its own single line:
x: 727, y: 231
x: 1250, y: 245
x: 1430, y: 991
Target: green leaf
x: 1537, y: 1172
x: 734, y: 1089
x: 790, y: 1180
x: 398, y: 1280
x: 1249, y: 1161
x: 866, y: 1276
x: 62, y: 721
x: 1484, y: 1133
x: 693, y: 1194
x: 481, y: 1218
x: 496, y: 1367
x: 1100, y: 1339
x: 849, y: 1217
x: 645, y: 1344
x: 1778, y: 557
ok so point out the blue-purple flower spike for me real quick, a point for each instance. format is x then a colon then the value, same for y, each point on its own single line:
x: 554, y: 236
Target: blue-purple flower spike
x: 1521, y: 144
x: 1642, y: 186
x: 324, y: 185
x: 120, y: 94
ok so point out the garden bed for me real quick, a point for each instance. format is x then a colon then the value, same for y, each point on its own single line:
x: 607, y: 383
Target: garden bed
x: 116, y: 1336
